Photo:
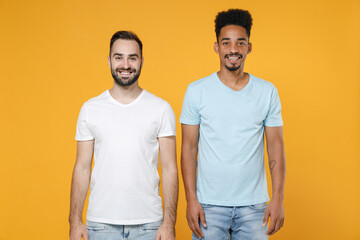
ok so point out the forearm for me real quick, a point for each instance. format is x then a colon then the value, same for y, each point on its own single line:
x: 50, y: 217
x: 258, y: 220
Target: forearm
x: 170, y: 193
x: 188, y: 168
x: 79, y: 189
x: 169, y: 179
x: 277, y: 165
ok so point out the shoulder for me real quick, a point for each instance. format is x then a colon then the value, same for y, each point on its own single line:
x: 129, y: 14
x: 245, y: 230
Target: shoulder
x: 97, y: 100
x: 150, y: 97
x: 261, y: 84
x: 203, y: 82
x: 154, y: 101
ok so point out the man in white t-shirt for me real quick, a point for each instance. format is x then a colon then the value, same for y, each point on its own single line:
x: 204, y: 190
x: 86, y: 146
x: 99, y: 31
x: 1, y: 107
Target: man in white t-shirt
x: 125, y: 128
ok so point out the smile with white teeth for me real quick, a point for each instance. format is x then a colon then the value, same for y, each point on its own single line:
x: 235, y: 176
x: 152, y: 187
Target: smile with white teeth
x: 125, y: 72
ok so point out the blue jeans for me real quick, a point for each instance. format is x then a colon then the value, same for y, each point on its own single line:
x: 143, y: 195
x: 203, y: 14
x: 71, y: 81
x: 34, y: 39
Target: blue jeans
x: 235, y: 223
x: 103, y: 231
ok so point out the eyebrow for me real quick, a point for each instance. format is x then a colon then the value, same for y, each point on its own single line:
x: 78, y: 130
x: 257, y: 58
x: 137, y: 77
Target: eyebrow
x: 130, y: 55
x: 227, y: 39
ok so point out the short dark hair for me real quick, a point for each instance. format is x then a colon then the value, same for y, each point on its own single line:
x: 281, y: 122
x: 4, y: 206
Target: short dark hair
x: 236, y: 17
x: 126, y: 35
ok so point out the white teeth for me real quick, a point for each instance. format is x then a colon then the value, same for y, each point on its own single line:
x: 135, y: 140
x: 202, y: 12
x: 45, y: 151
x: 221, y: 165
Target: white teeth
x: 233, y: 58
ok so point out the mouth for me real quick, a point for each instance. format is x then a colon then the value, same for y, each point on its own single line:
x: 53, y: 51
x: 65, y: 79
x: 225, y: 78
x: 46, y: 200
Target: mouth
x: 125, y: 72
x: 233, y: 58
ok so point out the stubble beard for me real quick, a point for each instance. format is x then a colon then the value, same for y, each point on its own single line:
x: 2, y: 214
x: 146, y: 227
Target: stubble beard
x: 125, y: 82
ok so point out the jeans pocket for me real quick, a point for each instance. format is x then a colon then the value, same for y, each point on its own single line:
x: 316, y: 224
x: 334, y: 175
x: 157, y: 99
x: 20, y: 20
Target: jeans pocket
x: 203, y: 205
x: 96, y: 227
x: 151, y: 226
x: 259, y: 206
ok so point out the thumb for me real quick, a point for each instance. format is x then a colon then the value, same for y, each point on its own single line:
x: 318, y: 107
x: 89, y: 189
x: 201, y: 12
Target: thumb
x: 266, y: 218
x: 202, y: 218
x: 157, y: 235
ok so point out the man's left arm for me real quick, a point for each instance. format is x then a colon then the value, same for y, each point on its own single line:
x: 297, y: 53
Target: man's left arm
x: 170, y: 187
x: 276, y: 154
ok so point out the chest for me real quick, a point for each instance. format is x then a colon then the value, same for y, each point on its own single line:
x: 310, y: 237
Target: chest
x: 129, y: 124
x: 247, y: 110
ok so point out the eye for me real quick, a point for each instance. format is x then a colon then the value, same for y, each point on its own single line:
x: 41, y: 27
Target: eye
x: 118, y: 58
x: 132, y: 59
x: 225, y: 43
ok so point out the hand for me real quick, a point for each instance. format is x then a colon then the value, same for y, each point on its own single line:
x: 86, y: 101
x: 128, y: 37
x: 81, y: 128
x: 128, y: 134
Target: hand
x: 275, y: 210
x: 77, y: 231
x: 194, y: 211
x: 165, y: 232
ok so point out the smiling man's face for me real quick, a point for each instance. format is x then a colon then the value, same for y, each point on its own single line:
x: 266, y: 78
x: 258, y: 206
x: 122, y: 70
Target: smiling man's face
x: 125, y: 62
x: 232, y: 46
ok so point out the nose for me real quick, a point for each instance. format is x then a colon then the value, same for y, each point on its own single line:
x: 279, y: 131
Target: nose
x: 126, y: 63
x: 233, y: 48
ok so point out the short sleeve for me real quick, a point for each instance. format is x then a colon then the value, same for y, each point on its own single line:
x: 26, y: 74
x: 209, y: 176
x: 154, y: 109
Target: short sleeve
x: 273, y: 118
x: 83, y: 132
x: 168, y: 125
x: 190, y: 112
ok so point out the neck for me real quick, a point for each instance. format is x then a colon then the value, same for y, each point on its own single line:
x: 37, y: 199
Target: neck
x: 236, y: 80
x: 125, y: 94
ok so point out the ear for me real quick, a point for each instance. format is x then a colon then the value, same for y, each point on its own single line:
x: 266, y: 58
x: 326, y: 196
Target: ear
x: 109, y: 62
x: 249, y: 48
x: 216, y: 47
x: 142, y: 61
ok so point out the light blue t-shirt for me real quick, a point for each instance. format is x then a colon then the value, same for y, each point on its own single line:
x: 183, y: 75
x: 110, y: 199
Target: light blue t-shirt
x: 231, y: 168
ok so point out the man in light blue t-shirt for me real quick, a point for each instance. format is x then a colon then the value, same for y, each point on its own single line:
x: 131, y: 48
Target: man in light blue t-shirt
x: 224, y: 117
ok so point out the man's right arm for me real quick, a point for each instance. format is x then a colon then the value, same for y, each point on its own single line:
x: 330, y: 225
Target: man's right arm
x: 189, y: 151
x: 79, y: 188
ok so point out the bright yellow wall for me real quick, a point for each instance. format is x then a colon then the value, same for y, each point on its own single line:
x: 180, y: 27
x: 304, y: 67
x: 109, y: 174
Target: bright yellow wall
x: 53, y: 58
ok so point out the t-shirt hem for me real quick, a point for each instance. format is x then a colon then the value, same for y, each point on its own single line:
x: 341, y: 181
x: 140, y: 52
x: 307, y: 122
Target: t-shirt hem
x: 84, y: 138
x: 273, y: 124
x: 235, y: 204
x: 124, y: 222
x: 167, y: 134
x: 189, y: 122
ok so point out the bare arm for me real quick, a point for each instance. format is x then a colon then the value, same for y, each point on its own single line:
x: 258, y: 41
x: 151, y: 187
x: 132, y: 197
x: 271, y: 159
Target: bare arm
x: 170, y: 187
x: 79, y: 188
x: 189, y: 151
x: 276, y: 154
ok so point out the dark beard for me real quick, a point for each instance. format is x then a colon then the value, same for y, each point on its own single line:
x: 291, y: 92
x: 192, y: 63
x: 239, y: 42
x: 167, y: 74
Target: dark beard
x: 130, y: 82
x: 232, y: 69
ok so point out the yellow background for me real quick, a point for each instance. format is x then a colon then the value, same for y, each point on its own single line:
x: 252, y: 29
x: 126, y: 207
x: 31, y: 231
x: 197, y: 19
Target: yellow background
x: 53, y: 58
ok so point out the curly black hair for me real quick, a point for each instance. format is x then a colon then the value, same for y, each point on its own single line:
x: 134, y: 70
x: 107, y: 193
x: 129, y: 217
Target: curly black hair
x: 236, y: 17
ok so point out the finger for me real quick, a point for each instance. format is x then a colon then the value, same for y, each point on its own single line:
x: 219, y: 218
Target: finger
x: 271, y: 228
x: 157, y: 236
x: 192, y: 227
x: 197, y: 229
x: 277, y: 226
x: 266, y: 218
x: 85, y: 235
x: 282, y: 222
x: 202, y: 218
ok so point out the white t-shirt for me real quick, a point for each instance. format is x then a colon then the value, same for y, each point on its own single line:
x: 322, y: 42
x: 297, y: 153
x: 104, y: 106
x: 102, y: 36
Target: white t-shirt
x: 124, y: 186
